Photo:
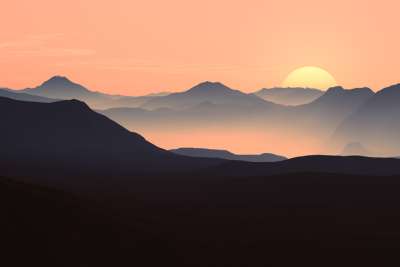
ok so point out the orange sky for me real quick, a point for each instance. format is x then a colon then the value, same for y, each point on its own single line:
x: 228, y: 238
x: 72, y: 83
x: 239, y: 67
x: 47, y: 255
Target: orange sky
x: 135, y: 47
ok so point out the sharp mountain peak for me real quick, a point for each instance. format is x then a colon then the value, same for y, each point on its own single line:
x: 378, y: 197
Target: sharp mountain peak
x: 210, y: 86
x: 58, y: 79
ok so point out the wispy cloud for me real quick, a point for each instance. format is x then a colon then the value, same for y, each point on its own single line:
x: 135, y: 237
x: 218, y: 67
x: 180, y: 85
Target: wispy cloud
x: 180, y: 68
x: 38, y: 45
x: 20, y: 44
x: 53, y: 52
x: 45, y: 36
x: 170, y: 67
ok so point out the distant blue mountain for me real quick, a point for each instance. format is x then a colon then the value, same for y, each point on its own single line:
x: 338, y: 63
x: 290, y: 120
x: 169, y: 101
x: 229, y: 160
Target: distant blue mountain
x: 290, y: 96
x: 16, y: 95
x: 326, y: 112
x: 211, y: 92
x: 375, y: 123
x: 62, y: 88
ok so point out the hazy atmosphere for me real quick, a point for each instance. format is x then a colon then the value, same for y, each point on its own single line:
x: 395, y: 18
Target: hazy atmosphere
x: 199, y: 133
x: 139, y: 47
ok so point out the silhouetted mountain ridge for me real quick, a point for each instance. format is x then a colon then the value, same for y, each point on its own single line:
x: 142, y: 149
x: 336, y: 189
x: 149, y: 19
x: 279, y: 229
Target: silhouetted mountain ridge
x: 210, y: 105
x: 67, y: 137
x: 224, y: 154
x: 352, y: 165
x: 68, y: 145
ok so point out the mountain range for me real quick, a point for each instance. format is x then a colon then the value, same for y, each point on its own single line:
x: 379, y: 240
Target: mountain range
x: 68, y: 139
x: 207, y: 92
x: 325, y: 121
x: 61, y: 88
x: 270, y: 123
x: 82, y: 188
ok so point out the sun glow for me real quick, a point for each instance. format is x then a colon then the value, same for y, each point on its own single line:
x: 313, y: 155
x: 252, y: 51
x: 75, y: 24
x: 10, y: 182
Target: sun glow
x: 311, y: 77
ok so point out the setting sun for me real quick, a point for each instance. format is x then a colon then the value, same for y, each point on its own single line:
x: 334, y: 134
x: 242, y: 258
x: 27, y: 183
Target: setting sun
x: 312, y: 77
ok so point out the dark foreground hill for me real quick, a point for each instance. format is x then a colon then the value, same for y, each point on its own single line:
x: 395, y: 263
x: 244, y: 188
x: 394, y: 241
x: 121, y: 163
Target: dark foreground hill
x: 286, y: 220
x: 354, y: 165
x: 67, y: 138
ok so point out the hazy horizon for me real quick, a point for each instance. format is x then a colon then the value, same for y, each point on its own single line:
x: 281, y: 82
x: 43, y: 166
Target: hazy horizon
x: 212, y: 115
x: 191, y: 85
x: 135, y: 47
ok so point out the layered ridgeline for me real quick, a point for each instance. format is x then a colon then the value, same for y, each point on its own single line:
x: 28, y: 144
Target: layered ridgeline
x: 152, y: 202
x: 213, y: 115
x: 235, y: 120
x: 375, y: 124
x: 4, y: 92
x: 68, y: 139
x: 207, y: 115
x: 322, y: 116
x: 334, y: 105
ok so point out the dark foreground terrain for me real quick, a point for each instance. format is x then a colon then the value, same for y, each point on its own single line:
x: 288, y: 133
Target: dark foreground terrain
x: 283, y: 220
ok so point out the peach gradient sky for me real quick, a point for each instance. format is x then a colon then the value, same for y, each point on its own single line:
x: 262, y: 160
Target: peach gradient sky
x: 135, y: 47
